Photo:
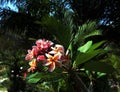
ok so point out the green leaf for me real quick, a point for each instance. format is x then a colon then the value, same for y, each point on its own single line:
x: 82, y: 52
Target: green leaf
x: 94, y: 33
x: 85, y: 47
x: 98, y: 66
x: 33, y: 80
x: 84, y: 57
x: 48, y: 76
x: 100, y: 74
x: 71, y: 49
x: 96, y: 45
x: 84, y: 30
x: 32, y: 75
x: 115, y: 60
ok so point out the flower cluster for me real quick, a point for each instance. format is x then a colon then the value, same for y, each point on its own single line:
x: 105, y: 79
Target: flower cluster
x: 47, y: 53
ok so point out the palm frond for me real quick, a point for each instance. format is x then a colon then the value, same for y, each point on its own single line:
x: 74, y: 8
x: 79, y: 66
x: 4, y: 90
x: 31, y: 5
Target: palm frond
x: 60, y: 29
x: 86, y: 30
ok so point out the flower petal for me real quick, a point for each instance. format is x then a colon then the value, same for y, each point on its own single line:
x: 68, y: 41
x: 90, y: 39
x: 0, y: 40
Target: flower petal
x: 41, y: 58
x: 33, y: 62
x: 52, y: 67
x: 32, y: 65
x: 47, y: 63
x: 57, y: 56
x: 29, y: 57
x: 60, y: 48
x: 48, y: 56
x: 52, y: 52
x: 39, y: 41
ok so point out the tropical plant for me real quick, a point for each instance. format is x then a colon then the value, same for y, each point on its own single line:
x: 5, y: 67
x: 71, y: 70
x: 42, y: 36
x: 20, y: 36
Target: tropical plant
x: 72, y: 62
x: 92, y: 60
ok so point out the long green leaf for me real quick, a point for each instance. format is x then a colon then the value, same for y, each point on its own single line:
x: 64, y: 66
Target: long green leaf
x: 32, y: 75
x: 85, y: 47
x: 70, y: 48
x: 96, y: 45
x: 84, y: 57
x: 33, y: 80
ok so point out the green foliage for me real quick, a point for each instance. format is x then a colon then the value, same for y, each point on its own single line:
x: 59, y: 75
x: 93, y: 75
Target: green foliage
x: 98, y: 66
x: 48, y: 76
x: 86, y: 30
x: 96, y: 45
x: 87, y: 52
x: 33, y: 80
x: 115, y: 60
x: 88, y: 56
x: 85, y: 57
x: 85, y: 47
x: 58, y: 29
x: 32, y: 75
x: 67, y: 31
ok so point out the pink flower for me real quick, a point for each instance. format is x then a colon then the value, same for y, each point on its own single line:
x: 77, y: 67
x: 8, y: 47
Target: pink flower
x: 32, y: 53
x: 41, y: 58
x: 46, y: 54
x: 36, y: 51
x: 43, y: 44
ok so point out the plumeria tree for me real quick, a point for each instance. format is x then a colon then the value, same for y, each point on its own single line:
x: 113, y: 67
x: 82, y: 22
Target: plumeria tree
x: 72, y: 58
x: 71, y: 61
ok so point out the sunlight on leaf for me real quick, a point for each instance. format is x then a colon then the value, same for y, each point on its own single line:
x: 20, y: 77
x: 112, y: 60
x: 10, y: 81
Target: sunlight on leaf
x: 96, y: 45
x: 32, y: 75
x: 85, y: 47
x: 33, y: 80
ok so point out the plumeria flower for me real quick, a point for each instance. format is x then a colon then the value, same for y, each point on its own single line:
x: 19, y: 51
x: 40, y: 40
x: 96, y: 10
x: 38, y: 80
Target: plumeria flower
x: 36, y: 51
x: 33, y: 65
x: 52, y: 61
x: 58, y: 48
x: 32, y: 53
x: 41, y: 58
x: 41, y: 48
x: 43, y: 44
x: 66, y: 58
x: 44, y: 53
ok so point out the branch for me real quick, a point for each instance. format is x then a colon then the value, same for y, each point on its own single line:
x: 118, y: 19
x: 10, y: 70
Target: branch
x: 80, y: 83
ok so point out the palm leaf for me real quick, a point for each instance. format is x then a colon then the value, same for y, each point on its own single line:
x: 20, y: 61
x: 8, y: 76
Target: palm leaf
x: 61, y: 31
x: 86, y: 30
